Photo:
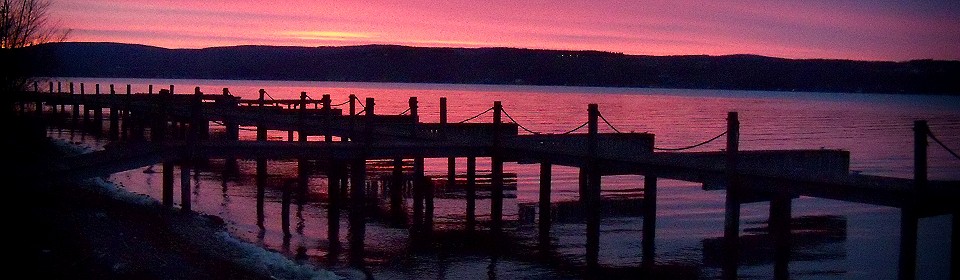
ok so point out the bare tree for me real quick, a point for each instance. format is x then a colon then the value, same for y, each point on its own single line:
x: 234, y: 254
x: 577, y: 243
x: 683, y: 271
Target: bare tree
x: 26, y: 23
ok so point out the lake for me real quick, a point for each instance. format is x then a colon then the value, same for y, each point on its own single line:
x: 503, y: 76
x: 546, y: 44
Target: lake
x: 844, y: 240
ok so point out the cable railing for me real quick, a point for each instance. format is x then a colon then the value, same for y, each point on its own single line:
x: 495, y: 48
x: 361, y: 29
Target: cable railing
x: 692, y: 146
x: 476, y: 116
x: 930, y: 134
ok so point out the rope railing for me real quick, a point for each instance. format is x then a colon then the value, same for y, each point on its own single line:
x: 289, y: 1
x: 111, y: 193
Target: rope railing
x: 268, y: 95
x: 340, y: 104
x: 360, y: 103
x: 692, y: 146
x: 576, y: 128
x: 404, y: 111
x: 930, y: 133
x: 608, y: 122
x: 361, y: 111
x: 518, y: 123
x: 476, y: 116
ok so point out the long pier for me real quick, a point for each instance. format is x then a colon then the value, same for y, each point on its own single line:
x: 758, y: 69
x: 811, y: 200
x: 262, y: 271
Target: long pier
x: 167, y: 128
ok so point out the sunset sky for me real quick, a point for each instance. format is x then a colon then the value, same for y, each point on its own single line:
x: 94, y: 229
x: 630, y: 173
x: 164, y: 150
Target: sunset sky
x: 861, y: 30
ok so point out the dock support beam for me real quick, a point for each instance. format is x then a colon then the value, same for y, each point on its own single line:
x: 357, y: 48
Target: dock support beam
x: 496, y: 168
x: 114, y: 131
x: 357, y: 213
x: 731, y: 228
x: 261, y: 127
x: 546, y: 176
x: 334, y: 195
x: 592, y: 191
x: 396, y: 194
x: 418, y: 194
x: 167, y: 184
x: 649, y: 241
x: 97, y: 113
x: 471, y: 196
x: 909, y: 220
x: 779, y: 224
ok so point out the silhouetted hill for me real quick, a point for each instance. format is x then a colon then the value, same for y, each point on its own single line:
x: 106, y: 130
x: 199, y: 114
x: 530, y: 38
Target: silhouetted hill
x: 386, y: 63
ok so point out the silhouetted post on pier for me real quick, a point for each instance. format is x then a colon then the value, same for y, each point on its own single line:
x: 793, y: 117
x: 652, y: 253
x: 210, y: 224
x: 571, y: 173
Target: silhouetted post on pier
x: 75, y: 106
x: 301, y: 118
x: 779, y: 225
x: 125, y: 123
x: 86, y: 111
x: 731, y: 229
x: 285, y: 210
x: 358, y: 208
x: 327, y: 118
x: 167, y: 184
x: 352, y: 123
x: 592, y: 191
x: 97, y: 112
x: 150, y: 89
x: 909, y: 219
x: 451, y: 161
x: 649, y: 242
x: 199, y: 124
x: 261, y: 127
x: 418, y: 194
x: 496, y: 169
x: 471, y: 195
x: 546, y: 177
x: 396, y: 193
x: 114, y: 129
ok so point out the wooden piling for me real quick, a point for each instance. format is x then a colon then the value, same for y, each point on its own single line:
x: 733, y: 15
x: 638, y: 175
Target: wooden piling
x: 418, y: 194
x: 301, y: 118
x: 114, y: 130
x: 97, y: 112
x: 334, y: 196
x: 75, y: 106
x: 592, y: 208
x: 358, y: 210
x: 909, y: 217
x: 546, y: 177
x: 731, y: 229
x: 471, y: 196
x: 285, y: 210
x: 779, y: 224
x: 261, y: 127
x: 396, y: 193
x: 649, y: 242
x: 496, y: 169
x: 327, y: 118
x: 167, y: 184
x: 414, y: 116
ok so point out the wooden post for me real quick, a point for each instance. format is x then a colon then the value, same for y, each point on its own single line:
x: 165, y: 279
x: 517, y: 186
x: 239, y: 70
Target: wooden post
x: 731, y: 229
x: 471, y: 190
x: 185, y: 186
x: 150, y: 89
x: 86, y: 111
x: 396, y: 193
x: 125, y: 124
x: 955, y: 246
x: 353, y: 121
x: 301, y: 118
x: 357, y: 213
x: 779, y: 224
x: 496, y: 168
x: 909, y: 219
x: 97, y: 111
x: 414, y: 116
x: 51, y: 87
x: 334, y: 195
x: 261, y: 127
x: 199, y: 124
x: 167, y: 184
x: 327, y: 118
x: 593, y: 189
x: 649, y: 242
x: 114, y: 115
x: 75, y: 105
x: 546, y: 177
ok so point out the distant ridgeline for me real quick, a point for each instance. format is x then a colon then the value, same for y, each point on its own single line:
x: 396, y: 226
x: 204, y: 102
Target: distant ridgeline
x: 383, y: 63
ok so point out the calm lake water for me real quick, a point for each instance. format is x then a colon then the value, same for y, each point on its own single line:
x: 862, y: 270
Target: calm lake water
x: 849, y: 240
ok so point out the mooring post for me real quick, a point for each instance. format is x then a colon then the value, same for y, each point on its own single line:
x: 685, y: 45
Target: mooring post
x: 368, y: 121
x: 649, y: 242
x: 779, y: 224
x: 36, y: 89
x: 261, y: 127
x: 114, y: 115
x: 496, y: 168
x: 229, y: 104
x: 471, y: 190
x: 327, y: 118
x: 125, y: 124
x: 396, y: 193
x: 909, y: 219
x: 546, y: 177
x: 51, y: 87
x: 52, y: 103
x: 97, y: 111
x: 167, y: 184
x: 357, y: 213
x: 201, y: 128
x: 593, y: 188
x: 351, y: 125
x: 955, y: 245
x: 301, y: 118
x: 75, y: 105
x: 86, y: 111
x: 731, y: 229
x: 414, y: 116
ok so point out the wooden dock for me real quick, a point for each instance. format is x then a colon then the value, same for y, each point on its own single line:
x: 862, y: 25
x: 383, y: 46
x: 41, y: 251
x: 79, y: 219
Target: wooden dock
x: 144, y: 128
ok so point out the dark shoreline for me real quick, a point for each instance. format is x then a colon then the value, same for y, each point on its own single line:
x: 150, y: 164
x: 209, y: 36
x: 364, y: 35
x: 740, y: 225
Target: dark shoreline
x: 80, y: 230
